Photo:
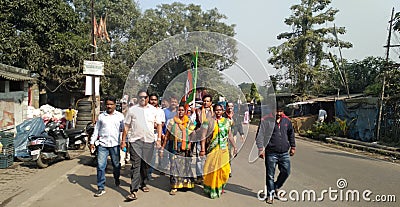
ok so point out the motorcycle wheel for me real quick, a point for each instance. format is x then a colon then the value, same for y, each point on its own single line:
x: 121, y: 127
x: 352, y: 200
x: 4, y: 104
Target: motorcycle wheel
x: 42, y: 163
x: 82, y: 146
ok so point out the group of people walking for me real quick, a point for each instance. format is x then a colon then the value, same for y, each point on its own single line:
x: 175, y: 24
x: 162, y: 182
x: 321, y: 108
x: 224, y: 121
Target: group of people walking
x: 179, y: 137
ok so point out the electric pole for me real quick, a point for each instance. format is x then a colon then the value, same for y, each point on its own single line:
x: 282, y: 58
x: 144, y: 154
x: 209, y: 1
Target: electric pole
x: 384, y: 77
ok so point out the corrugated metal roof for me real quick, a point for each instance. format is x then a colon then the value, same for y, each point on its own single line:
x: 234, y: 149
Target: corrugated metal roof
x: 13, y: 73
x: 327, y: 99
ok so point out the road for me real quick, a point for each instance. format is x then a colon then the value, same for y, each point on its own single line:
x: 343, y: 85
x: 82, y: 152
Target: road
x: 315, y: 168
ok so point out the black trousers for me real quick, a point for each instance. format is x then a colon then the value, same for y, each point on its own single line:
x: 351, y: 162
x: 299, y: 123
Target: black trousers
x: 141, y: 154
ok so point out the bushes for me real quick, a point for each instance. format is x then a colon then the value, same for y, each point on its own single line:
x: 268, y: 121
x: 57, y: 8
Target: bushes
x: 322, y: 130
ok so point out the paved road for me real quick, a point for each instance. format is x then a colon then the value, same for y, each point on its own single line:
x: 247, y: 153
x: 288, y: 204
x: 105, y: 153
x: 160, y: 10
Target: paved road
x: 315, y: 168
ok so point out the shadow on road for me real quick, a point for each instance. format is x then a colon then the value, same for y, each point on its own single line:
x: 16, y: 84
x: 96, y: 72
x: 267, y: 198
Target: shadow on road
x: 88, y: 182
x: 240, y: 190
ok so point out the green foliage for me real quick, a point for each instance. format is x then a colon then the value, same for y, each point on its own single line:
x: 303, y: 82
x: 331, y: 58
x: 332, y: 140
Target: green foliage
x: 338, y: 128
x: 303, y: 50
x: 396, y: 26
x: 53, y: 37
x: 168, y: 20
x: 43, y: 36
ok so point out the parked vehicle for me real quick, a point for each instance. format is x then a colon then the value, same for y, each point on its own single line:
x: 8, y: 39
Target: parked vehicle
x: 49, y: 146
x: 77, y: 138
x: 89, y: 130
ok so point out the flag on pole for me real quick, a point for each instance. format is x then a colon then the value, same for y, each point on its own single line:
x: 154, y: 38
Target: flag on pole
x: 190, y: 89
x: 100, y: 28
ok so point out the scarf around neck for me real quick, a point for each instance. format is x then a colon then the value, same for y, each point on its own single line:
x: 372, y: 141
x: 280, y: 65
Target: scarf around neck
x: 182, y: 125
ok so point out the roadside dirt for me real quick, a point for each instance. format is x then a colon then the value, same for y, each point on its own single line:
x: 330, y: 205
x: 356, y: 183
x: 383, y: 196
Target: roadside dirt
x: 13, y: 177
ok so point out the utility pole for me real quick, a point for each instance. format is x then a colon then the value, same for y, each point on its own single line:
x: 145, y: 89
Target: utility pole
x: 94, y: 102
x: 384, y: 76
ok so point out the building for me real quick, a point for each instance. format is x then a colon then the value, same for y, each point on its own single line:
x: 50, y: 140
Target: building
x: 18, y: 90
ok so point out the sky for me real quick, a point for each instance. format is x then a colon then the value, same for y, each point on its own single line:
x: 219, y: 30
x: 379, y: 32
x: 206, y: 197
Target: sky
x: 258, y: 22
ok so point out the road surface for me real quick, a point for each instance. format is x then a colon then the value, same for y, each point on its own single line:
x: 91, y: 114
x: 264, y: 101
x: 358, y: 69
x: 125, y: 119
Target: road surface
x: 329, y: 174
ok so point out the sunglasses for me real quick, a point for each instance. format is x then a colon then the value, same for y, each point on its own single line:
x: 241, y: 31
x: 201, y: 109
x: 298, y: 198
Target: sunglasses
x: 140, y: 97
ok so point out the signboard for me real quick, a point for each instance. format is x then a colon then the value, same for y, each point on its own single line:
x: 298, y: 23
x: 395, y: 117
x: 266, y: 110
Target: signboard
x: 93, y: 67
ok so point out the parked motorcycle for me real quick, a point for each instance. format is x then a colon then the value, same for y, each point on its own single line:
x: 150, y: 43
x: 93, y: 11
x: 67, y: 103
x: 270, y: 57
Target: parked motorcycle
x: 89, y: 130
x: 78, y: 138
x: 49, y: 146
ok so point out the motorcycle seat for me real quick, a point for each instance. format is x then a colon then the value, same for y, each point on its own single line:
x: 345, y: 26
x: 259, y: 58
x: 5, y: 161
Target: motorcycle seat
x: 73, y: 131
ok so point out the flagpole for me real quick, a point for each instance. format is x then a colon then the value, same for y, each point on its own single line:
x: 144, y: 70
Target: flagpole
x: 196, y: 55
x: 93, y: 58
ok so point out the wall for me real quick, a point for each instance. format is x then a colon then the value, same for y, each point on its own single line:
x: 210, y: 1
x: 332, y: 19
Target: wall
x: 13, y: 107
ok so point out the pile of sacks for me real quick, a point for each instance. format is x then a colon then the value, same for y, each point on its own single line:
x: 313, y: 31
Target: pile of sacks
x: 46, y: 112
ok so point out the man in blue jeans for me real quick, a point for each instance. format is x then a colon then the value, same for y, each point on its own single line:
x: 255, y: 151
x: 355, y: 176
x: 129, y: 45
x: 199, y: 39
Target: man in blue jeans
x: 277, y: 136
x: 106, y: 135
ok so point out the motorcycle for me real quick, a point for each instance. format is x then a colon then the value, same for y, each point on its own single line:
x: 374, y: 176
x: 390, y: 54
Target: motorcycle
x: 78, y: 138
x: 89, y: 130
x: 49, y: 146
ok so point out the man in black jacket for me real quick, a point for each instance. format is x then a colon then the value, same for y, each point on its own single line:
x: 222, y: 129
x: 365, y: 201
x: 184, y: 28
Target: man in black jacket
x: 277, y: 136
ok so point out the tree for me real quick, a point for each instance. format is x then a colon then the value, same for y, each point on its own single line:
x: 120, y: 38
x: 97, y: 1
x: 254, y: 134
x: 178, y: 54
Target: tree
x: 303, y: 51
x: 121, y: 17
x: 46, y: 37
x: 168, y: 20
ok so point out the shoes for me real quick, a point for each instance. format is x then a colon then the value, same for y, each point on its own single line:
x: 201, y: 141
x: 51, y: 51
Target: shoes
x: 269, y: 200
x: 173, y: 191
x: 99, y: 193
x: 145, y: 189
x: 117, y: 182
x: 131, y: 197
x: 279, y: 194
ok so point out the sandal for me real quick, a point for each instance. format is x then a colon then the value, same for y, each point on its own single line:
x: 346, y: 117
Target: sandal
x: 173, y: 191
x: 145, y: 189
x: 131, y: 197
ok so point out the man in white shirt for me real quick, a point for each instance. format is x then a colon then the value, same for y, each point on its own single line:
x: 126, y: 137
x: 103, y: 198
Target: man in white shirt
x: 153, y: 100
x: 141, y: 120
x: 322, y: 115
x: 106, y: 135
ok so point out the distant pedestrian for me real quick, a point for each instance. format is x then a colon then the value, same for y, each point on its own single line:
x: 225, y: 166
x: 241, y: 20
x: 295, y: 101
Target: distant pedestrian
x: 203, y: 134
x: 238, y: 118
x: 106, y: 137
x: 275, y: 141
x: 70, y: 114
x: 229, y: 114
x: 153, y: 100
x: 322, y: 115
x: 169, y: 113
x: 124, y: 153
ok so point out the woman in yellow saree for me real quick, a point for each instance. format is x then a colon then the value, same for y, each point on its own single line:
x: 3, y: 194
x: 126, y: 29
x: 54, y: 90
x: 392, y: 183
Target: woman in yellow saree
x: 216, y: 166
